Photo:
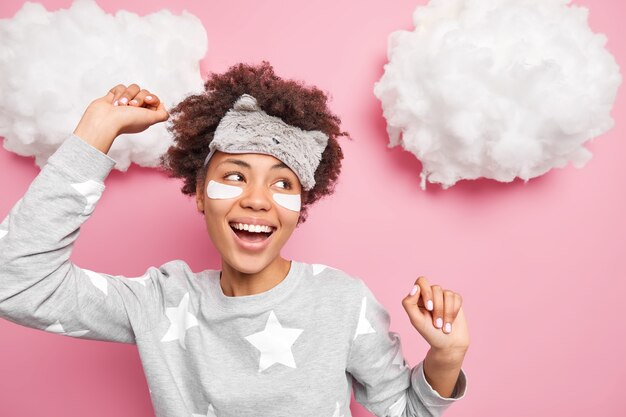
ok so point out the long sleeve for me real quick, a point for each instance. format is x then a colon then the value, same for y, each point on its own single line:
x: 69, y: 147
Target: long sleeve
x: 382, y: 381
x: 39, y: 286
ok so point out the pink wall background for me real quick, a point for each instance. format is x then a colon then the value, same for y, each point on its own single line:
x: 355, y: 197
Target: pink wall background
x: 540, y: 265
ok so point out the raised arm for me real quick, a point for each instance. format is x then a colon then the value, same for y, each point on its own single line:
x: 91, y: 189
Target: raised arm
x: 383, y: 381
x: 39, y: 286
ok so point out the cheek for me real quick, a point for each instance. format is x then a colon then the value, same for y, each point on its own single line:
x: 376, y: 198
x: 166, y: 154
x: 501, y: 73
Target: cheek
x: 289, y: 201
x: 218, y: 191
x: 219, y: 200
x: 215, y: 211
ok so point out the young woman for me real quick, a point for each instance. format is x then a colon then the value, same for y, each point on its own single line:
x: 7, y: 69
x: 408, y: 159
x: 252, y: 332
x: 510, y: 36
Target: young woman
x: 263, y: 336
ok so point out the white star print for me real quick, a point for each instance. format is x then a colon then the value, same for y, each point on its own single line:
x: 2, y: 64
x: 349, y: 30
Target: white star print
x: 4, y: 226
x: 317, y: 268
x: 180, y: 320
x: 399, y: 358
x: 397, y: 408
x: 100, y: 282
x: 210, y: 413
x: 363, y: 326
x: 57, y: 327
x: 274, y: 343
x: 97, y: 280
x: 337, y: 410
x: 91, y: 190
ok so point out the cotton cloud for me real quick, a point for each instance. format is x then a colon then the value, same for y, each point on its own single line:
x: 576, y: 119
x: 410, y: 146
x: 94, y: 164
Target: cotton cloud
x: 497, y: 88
x: 53, y: 64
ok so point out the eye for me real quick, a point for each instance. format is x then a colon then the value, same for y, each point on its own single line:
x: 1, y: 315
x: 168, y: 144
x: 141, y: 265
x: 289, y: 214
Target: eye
x: 287, y: 184
x: 231, y: 174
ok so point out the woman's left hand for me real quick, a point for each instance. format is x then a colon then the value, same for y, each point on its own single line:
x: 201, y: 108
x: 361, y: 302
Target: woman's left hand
x: 437, y: 315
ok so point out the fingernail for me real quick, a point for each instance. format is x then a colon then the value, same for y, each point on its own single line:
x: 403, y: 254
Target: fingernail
x: 115, y: 103
x: 124, y: 100
x: 429, y: 305
x: 132, y: 102
x: 448, y: 327
x: 148, y: 97
x: 414, y: 290
x: 439, y: 323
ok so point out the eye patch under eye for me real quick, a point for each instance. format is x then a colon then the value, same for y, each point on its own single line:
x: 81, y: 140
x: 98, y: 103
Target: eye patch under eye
x: 288, y: 201
x: 217, y: 190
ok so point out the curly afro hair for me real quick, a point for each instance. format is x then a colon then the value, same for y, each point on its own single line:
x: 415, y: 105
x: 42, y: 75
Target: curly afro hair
x: 195, y: 119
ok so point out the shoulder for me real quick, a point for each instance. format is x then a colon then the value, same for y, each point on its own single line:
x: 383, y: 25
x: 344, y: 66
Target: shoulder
x: 172, y: 269
x: 175, y: 279
x: 177, y: 274
x: 332, y: 277
x: 352, y: 288
x: 337, y: 285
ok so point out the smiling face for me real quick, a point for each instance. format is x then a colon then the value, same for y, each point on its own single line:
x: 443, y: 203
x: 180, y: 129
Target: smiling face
x: 249, y: 189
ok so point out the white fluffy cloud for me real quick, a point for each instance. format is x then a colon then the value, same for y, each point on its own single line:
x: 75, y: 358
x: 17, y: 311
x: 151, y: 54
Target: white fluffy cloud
x: 53, y: 64
x: 497, y: 88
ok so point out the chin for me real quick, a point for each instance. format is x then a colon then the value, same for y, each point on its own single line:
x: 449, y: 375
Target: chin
x: 249, y: 263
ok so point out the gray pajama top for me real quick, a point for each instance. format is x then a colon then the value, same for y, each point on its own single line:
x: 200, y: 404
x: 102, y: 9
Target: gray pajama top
x: 298, y: 349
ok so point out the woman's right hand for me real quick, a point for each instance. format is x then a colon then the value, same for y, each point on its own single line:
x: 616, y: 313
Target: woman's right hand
x: 123, y: 110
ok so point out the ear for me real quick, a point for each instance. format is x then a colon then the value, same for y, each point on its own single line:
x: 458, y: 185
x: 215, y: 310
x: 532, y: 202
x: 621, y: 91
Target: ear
x: 320, y: 141
x: 246, y: 102
x: 200, y: 197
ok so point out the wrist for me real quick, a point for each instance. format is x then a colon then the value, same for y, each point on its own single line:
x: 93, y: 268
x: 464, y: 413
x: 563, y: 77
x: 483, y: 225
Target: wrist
x: 447, y: 358
x: 98, y: 138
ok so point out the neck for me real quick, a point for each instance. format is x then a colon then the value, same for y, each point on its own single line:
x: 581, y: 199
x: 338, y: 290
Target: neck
x: 235, y: 283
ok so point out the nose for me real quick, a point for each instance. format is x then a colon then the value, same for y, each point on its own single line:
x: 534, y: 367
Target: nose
x: 256, y: 197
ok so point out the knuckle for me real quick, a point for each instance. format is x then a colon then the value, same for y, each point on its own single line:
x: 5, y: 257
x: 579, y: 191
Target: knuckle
x: 448, y: 293
x: 134, y: 87
x: 117, y: 90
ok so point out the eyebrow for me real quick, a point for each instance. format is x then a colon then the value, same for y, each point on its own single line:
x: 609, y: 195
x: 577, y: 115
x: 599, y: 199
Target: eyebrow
x: 247, y: 165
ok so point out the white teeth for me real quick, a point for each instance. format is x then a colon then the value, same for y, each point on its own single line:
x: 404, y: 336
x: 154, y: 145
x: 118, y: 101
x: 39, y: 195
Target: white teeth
x: 252, y: 228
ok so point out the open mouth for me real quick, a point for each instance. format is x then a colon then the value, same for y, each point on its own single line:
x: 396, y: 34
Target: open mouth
x: 253, y: 234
